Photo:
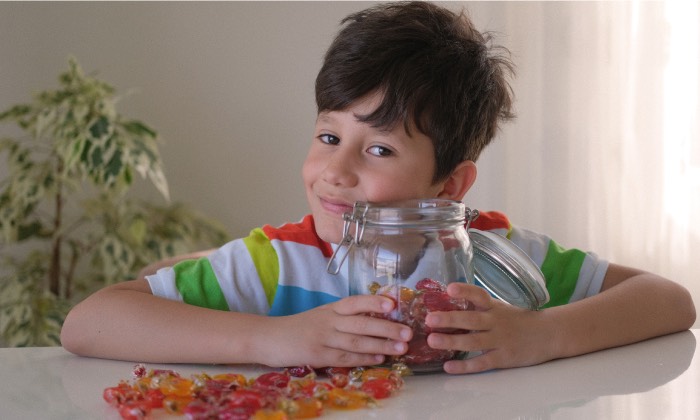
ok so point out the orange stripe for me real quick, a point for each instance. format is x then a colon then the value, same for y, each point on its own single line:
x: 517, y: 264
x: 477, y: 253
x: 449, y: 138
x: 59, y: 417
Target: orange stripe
x: 303, y: 232
x: 489, y: 220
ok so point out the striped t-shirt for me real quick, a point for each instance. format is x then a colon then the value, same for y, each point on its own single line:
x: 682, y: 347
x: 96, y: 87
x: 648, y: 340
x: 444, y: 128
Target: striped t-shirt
x: 282, y: 270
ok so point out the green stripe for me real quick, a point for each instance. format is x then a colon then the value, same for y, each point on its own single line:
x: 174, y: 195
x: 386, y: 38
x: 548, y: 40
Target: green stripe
x: 197, y: 283
x: 561, y: 269
x: 266, y: 262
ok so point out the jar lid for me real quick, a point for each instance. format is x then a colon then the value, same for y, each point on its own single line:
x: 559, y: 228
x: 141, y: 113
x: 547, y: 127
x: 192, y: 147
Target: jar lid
x: 506, y: 271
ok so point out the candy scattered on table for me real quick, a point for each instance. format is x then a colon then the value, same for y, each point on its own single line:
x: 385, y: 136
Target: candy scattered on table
x: 295, y: 393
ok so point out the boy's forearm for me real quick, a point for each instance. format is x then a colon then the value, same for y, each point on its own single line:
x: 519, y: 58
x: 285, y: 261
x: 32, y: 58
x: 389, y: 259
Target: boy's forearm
x: 125, y: 324
x: 641, y: 307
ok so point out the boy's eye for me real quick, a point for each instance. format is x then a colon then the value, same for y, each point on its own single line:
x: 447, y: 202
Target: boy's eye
x: 380, y: 151
x: 329, y: 139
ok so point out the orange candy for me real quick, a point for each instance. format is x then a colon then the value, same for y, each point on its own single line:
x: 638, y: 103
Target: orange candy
x: 403, y: 294
x: 176, y: 386
x: 308, y: 408
x: 267, y: 414
x: 233, y: 378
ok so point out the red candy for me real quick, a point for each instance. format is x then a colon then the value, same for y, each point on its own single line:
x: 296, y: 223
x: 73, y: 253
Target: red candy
x: 134, y: 410
x: 271, y: 380
x: 139, y: 371
x: 440, y: 301
x: 340, y: 380
x: 378, y: 388
x: 420, y: 353
x: 300, y: 371
x: 119, y: 394
x: 154, y: 398
x: 430, y: 284
x: 330, y: 371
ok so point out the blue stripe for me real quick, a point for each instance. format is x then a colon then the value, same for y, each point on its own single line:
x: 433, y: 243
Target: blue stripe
x: 291, y: 300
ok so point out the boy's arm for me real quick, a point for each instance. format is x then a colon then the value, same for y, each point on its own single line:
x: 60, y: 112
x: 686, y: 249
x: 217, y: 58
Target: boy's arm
x: 125, y: 321
x: 632, y: 306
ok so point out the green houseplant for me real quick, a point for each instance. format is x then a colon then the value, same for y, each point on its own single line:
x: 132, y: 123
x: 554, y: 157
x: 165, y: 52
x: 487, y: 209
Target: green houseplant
x: 67, y: 225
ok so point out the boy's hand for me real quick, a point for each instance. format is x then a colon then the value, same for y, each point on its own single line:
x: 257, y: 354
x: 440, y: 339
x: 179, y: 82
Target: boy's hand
x: 336, y: 334
x: 507, y: 335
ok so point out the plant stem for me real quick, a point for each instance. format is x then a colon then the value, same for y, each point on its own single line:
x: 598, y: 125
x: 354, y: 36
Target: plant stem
x: 55, y: 265
x: 71, y: 271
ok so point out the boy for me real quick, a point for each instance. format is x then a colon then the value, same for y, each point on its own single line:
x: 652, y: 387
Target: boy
x: 408, y: 96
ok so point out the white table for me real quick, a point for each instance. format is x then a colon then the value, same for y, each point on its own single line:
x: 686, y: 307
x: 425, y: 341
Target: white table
x: 655, y: 379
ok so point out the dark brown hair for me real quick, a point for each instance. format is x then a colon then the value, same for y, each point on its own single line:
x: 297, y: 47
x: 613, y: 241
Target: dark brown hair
x: 433, y: 69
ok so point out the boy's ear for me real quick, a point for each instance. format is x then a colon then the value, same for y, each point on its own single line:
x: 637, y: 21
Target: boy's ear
x: 455, y: 187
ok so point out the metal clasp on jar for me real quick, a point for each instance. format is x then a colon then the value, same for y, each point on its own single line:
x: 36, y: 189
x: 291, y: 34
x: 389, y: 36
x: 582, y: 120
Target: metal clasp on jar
x: 471, y: 215
x: 357, y: 217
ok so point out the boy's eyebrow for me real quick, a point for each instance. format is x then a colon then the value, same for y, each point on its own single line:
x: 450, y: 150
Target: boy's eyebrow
x: 326, y: 117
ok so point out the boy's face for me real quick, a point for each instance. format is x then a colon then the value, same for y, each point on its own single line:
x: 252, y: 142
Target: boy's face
x: 351, y: 161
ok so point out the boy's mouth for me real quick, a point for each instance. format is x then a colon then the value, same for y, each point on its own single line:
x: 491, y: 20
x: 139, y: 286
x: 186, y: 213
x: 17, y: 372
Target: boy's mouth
x: 335, y: 206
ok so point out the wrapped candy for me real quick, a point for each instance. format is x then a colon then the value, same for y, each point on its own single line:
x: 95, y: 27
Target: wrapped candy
x: 294, y: 393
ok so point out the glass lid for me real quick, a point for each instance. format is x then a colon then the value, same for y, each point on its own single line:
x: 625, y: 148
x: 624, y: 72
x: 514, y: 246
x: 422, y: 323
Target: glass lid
x: 506, y: 271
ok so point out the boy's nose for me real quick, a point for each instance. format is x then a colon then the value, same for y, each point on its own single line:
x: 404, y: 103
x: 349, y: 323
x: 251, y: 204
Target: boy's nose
x: 339, y: 170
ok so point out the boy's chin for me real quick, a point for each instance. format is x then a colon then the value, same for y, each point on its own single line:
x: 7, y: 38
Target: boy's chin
x: 333, y: 238
x: 329, y: 233
x: 328, y: 229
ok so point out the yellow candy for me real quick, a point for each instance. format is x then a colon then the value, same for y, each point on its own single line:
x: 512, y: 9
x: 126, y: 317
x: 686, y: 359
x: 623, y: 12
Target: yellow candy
x: 375, y: 373
x: 175, y: 386
x: 345, y: 399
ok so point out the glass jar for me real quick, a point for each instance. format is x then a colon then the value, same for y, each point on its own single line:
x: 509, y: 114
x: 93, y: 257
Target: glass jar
x: 411, y: 251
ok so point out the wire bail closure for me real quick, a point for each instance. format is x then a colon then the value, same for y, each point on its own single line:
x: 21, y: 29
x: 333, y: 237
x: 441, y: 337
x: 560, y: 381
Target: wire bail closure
x: 470, y: 215
x: 359, y: 210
